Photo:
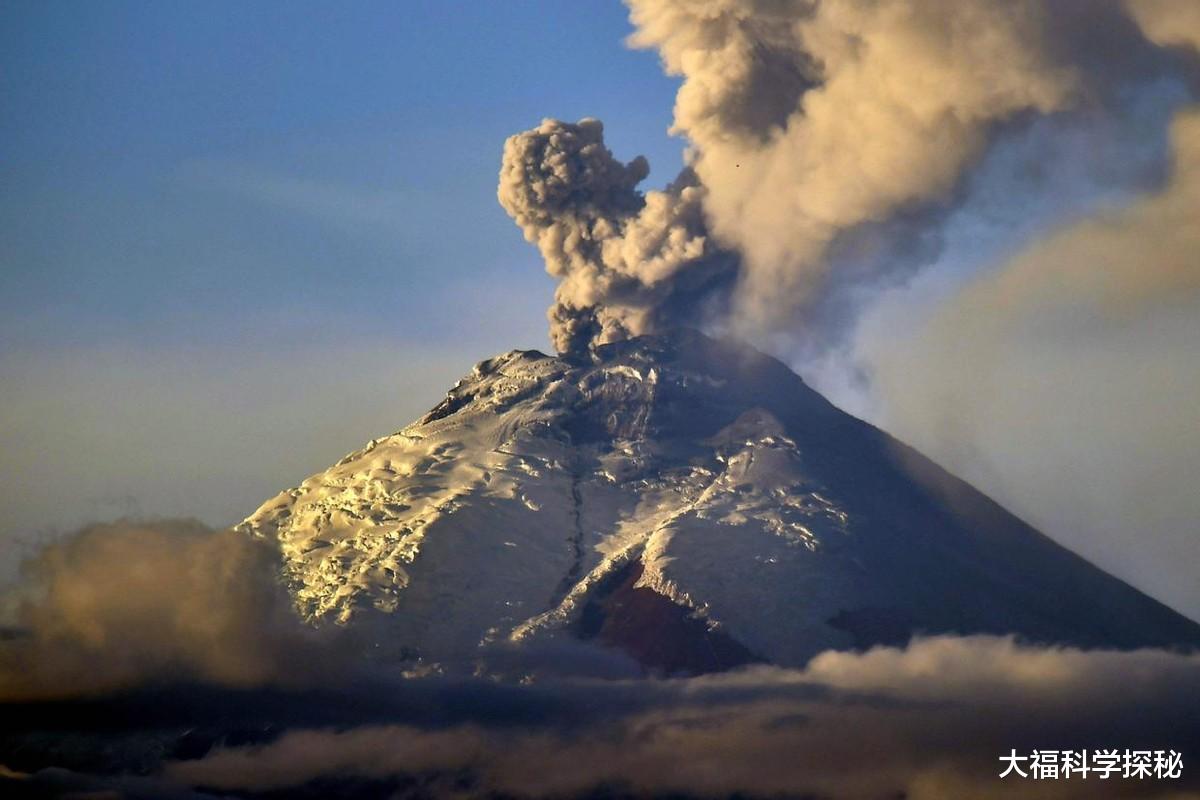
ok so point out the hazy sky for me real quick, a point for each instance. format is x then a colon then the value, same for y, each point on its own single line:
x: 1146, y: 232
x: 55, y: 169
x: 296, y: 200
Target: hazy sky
x: 237, y: 241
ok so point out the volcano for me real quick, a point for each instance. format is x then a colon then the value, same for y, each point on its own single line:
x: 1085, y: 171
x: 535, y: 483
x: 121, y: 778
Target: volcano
x: 688, y: 502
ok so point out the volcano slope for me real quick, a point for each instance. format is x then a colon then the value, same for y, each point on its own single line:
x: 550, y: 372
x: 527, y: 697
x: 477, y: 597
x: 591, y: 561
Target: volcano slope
x: 687, y: 501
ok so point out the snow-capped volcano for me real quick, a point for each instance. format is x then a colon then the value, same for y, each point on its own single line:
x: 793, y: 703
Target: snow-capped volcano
x: 689, y: 501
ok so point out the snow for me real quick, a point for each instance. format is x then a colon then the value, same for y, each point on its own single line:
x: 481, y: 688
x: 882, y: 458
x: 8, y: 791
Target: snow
x: 745, y: 496
x: 487, y: 516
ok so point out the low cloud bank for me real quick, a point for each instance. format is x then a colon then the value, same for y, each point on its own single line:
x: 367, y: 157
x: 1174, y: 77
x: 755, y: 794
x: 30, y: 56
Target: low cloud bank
x: 170, y: 649
x: 125, y: 604
x: 927, y: 721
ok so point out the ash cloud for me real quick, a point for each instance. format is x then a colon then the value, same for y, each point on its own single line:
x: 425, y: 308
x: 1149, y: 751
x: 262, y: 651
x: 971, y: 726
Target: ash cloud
x: 1168, y: 22
x: 1062, y: 380
x: 901, y: 101
x: 828, y: 140
x: 627, y: 262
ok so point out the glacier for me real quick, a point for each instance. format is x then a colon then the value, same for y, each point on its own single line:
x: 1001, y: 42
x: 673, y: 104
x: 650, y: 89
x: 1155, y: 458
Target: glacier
x: 686, y: 500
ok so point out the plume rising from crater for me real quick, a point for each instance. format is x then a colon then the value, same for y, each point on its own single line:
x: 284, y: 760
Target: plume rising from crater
x: 828, y: 143
x: 627, y: 262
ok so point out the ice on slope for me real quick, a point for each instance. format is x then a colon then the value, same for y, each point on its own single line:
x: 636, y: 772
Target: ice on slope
x: 739, y: 493
x: 494, y: 514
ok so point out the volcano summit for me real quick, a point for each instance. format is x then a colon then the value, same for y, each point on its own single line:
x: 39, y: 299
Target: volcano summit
x: 688, y: 501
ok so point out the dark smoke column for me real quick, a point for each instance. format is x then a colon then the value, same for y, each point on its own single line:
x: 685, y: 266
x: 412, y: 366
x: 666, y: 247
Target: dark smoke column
x: 627, y: 263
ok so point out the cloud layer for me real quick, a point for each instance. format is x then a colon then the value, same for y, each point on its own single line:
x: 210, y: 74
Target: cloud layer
x: 929, y: 721
x: 127, y: 604
x: 167, y: 657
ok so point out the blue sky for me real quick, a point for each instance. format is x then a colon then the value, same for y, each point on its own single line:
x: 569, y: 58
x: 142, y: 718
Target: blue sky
x: 167, y: 161
x: 238, y: 240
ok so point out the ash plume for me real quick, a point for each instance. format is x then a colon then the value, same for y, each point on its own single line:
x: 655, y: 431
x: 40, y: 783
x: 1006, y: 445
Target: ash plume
x: 1063, y: 378
x: 828, y: 140
x: 627, y: 262
x: 968, y: 221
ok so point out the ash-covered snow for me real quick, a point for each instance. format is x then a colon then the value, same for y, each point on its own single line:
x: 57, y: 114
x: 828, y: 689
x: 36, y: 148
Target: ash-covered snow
x: 743, y: 496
